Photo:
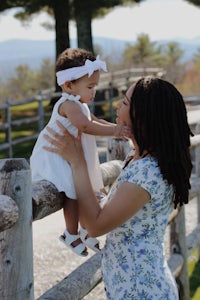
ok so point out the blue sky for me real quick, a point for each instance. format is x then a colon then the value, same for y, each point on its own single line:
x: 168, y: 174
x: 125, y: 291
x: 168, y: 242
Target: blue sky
x: 160, y: 19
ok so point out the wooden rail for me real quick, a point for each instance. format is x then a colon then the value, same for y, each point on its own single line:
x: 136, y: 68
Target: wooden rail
x: 22, y: 203
x: 8, y: 123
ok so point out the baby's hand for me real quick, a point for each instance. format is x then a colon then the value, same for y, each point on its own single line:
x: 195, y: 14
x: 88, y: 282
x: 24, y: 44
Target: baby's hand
x: 122, y: 131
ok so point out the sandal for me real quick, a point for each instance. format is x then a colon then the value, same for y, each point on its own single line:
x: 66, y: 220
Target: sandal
x: 68, y: 239
x: 90, y: 242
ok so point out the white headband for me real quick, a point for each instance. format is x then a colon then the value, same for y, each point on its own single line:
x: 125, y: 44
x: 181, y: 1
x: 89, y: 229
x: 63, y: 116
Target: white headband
x: 78, y: 72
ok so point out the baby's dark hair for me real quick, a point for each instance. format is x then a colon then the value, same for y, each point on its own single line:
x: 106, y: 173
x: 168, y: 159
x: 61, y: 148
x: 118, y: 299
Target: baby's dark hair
x: 160, y: 126
x: 73, y: 57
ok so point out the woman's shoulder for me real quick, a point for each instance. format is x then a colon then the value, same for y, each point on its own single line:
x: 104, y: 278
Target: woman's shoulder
x: 146, y: 173
x: 143, y: 169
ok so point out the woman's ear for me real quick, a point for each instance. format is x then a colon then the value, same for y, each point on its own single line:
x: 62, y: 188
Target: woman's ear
x: 67, y: 86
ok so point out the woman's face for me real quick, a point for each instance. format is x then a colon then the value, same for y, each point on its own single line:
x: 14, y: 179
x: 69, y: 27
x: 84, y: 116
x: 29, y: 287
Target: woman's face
x: 123, y: 108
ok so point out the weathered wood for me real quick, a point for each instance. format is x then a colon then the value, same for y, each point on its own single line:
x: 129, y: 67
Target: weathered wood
x: 195, y: 141
x: 193, y: 116
x: 9, y: 212
x: 175, y: 264
x: 195, y: 187
x: 197, y: 170
x: 110, y: 171
x: 118, y: 148
x: 16, y: 251
x: 181, y: 241
x: 47, y: 200
x: 193, y: 240
x: 79, y: 283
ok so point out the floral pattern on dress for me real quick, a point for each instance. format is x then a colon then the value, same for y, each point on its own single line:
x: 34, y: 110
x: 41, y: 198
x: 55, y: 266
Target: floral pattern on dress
x: 134, y: 265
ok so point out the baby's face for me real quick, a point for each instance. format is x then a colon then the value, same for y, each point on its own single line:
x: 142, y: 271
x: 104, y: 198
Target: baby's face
x: 86, y: 87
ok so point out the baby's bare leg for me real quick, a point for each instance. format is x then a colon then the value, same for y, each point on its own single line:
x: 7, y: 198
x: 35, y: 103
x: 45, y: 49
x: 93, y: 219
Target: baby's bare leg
x: 70, y: 211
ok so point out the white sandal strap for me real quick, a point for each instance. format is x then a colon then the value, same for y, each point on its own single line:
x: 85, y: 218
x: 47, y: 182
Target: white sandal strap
x: 91, y: 242
x: 83, y: 233
x: 68, y: 239
x: 71, y: 237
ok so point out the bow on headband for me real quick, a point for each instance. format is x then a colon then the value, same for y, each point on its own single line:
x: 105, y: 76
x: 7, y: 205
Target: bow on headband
x: 78, y: 72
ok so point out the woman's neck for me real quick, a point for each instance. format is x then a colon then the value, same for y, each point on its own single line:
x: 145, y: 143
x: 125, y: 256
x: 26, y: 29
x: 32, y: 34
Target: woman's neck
x: 137, y: 154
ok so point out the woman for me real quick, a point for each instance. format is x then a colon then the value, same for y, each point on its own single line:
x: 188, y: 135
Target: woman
x: 154, y: 178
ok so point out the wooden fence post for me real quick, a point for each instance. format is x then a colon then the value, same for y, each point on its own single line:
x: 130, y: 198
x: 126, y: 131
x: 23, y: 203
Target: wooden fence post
x: 197, y: 170
x: 117, y: 148
x: 41, y: 113
x: 9, y: 130
x: 16, y: 251
x: 178, y: 245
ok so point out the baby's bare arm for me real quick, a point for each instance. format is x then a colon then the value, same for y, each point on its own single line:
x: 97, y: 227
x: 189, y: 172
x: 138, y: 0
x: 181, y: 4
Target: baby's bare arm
x: 94, y: 126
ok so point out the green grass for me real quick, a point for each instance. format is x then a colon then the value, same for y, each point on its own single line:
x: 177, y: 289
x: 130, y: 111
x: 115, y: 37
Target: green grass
x: 194, y: 275
x: 18, y: 112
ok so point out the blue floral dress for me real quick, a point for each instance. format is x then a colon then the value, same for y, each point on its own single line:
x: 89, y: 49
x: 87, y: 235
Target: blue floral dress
x: 134, y: 265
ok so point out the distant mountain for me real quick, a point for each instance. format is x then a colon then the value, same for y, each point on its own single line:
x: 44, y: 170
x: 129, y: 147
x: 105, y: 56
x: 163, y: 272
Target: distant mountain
x: 16, y: 52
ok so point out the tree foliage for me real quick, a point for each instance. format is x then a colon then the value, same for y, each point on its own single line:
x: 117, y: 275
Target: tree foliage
x: 85, y: 11
x: 195, y: 2
x: 63, y: 10
x: 143, y: 52
x: 26, y: 83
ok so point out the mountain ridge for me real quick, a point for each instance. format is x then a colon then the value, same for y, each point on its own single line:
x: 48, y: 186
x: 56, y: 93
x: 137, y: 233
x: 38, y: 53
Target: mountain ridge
x: 31, y: 52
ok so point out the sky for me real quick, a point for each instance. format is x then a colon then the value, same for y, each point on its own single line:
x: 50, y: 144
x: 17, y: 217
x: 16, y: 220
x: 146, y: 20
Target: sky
x: 160, y: 19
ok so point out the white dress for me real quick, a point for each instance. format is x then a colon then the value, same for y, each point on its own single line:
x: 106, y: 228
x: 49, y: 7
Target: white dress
x: 134, y: 265
x: 52, y: 167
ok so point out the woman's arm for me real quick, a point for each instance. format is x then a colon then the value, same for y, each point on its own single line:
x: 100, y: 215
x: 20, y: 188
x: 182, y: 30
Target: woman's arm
x: 124, y: 204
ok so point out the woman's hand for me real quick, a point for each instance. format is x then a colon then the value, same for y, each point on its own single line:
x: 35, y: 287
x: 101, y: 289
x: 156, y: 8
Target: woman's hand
x: 65, y: 145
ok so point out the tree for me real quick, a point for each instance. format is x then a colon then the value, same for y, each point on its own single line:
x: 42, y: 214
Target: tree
x: 26, y: 83
x: 143, y: 53
x: 189, y: 83
x: 60, y: 9
x: 22, y: 85
x: 63, y: 11
x: 45, y: 75
x: 172, y: 54
x: 85, y: 11
x: 195, y: 2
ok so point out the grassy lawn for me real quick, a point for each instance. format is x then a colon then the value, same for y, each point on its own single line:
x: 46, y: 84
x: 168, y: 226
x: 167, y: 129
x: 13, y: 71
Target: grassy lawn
x: 19, y: 112
x: 194, y: 274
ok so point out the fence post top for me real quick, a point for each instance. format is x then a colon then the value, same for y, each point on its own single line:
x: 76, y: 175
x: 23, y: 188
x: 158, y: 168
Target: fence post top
x: 13, y: 164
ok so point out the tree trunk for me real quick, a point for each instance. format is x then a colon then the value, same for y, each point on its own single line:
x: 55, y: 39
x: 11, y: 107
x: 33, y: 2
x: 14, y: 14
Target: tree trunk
x: 62, y: 15
x: 83, y: 19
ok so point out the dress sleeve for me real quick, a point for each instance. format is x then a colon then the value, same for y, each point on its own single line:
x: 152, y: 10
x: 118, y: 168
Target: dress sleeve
x: 145, y: 173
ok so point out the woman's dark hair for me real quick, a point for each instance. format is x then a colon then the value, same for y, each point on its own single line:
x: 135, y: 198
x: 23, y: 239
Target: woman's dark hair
x: 160, y: 127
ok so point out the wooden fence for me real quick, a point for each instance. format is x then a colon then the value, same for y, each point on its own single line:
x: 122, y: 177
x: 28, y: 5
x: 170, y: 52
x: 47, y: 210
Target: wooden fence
x: 21, y: 203
x: 8, y: 123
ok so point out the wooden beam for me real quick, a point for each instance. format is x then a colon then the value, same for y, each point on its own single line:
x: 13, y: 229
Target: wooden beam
x: 9, y: 212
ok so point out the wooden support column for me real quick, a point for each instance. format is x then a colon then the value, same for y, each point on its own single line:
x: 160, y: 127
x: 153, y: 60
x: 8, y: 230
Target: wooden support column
x: 16, y: 249
x: 197, y: 169
x: 179, y: 246
x: 117, y: 149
